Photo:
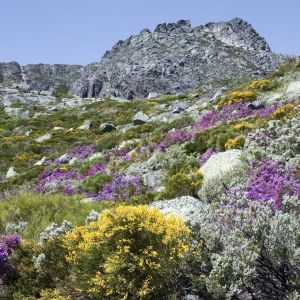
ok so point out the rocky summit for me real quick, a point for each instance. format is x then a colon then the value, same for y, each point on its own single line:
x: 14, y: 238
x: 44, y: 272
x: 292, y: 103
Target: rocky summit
x: 175, y: 58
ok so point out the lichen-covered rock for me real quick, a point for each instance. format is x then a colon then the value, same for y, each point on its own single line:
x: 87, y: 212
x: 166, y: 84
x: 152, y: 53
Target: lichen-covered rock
x: 17, y: 112
x: 188, y: 208
x: 220, y: 171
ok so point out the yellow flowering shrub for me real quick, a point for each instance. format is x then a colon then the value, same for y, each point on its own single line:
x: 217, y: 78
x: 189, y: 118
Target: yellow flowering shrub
x: 22, y: 157
x: 129, y: 253
x: 286, y: 110
x: 53, y: 295
x: 184, y: 183
x: 236, y: 143
x: 237, y: 97
x: 244, y: 125
x: 263, y: 85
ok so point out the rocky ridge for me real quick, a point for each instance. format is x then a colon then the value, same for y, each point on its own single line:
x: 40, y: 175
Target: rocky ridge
x: 175, y: 58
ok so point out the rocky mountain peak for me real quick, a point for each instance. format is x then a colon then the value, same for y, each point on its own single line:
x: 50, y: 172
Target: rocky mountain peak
x: 180, y: 26
x: 238, y: 33
x: 174, y: 58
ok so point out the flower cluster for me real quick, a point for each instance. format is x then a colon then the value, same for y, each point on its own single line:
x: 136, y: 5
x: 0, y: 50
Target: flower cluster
x: 79, y: 153
x: 119, y: 189
x: 174, y: 137
x: 7, y: 244
x: 231, y: 113
x: 270, y: 181
x: 206, y: 156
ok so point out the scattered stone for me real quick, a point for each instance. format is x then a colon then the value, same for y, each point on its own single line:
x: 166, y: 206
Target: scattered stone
x: 88, y: 124
x: 256, y: 105
x: 219, y: 93
x: 179, y: 107
x: 153, y: 95
x: 107, y: 127
x: 44, y: 138
x: 140, y: 118
x: 40, y: 162
x: 11, y: 173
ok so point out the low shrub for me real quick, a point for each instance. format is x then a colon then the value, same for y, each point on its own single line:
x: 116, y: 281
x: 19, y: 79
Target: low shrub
x: 95, y: 183
x: 263, y: 85
x: 236, y: 143
x: 286, y: 110
x: 237, y: 97
x: 129, y: 253
x: 183, y: 183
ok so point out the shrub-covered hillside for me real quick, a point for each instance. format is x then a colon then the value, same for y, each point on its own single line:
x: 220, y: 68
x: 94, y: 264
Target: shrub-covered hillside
x: 191, y: 196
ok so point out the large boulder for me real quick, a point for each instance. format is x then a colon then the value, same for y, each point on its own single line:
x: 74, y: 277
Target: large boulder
x: 140, y: 118
x: 17, y: 113
x: 188, y: 208
x: 107, y: 127
x: 220, y: 171
x: 293, y: 91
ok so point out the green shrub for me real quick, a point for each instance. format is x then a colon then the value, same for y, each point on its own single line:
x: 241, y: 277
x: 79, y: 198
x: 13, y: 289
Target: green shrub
x: 129, y: 253
x: 37, y: 267
x: 182, y: 184
x: 95, y: 183
x: 214, y: 138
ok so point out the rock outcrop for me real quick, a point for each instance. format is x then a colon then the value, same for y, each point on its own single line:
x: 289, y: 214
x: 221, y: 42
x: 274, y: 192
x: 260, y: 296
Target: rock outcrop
x: 177, y: 58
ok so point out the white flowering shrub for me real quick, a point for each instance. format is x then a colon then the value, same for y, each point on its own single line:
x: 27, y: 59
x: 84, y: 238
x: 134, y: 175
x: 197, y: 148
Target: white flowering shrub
x: 54, y: 230
x: 255, y: 249
x: 278, y: 141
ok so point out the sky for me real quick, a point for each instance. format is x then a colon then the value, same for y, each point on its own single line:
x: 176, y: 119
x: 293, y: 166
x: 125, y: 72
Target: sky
x: 80, y: 31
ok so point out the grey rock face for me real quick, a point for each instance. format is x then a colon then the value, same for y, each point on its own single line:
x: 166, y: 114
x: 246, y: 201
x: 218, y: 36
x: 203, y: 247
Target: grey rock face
x: 177, y: 58
x: 17, y: 113
x: 39, y: 77
x: 10, y: 72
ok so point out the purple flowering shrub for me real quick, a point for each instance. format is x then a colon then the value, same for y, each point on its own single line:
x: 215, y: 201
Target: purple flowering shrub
x: 270, y: 181
x: 176, y: 137
x: 7, y: 244
x: 232, y: 113
x: 206, y: 156
x: 119, y: 189
x: 79, y: 153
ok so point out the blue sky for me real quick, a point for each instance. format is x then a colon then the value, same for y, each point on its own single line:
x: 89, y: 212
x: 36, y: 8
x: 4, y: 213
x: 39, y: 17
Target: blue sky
x: 80, y: 31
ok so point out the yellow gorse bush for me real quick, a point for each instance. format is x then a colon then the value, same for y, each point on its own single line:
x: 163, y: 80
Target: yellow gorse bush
x: 129, y: 253
x: 236, y: 143
x: 263, y: 85
x: 286, y: 110
x: 53, y: 295
x: 237, y: 97
x: 243, y: 125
